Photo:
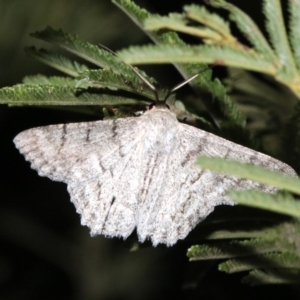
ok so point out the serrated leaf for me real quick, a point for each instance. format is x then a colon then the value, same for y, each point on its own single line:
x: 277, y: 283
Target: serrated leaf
x: 177, y: 22
x: 197, y: 54
x: 155, y: 22
x: 276, y: 28
x: 109, y: 79
x: 212, y: 20
x: 273, y: 260
x: 186, y: 70
x: 137, y: 14
x: 279, y: 276
x: 57, y: 61
x: 89, y: 52
x: 243, y: 227
x: 248, y: 28
x: 294, y: 25
x: 251, y: 172
x: 250, y: 247
x: 204, y: 252
x: 280, y: 203
x: 58, y: 95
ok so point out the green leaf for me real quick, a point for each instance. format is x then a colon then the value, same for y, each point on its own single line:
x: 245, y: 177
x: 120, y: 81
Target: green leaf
x: 187, y: 70
x: 278, y: 36
x: 248, y: 28
x: 196, y: 54
x: 280, y: 203
x: 223, y: 250
x: 57, y: 61
x: 202, y: 15
x: 273, y: 260
x: 87, y: 51
x: 249, y: 225
x: 177, y: 22
x: 59, y: 95
x: 249, y: 171
x: 294, y: 25
x: 107, y: 78
x: 279, y: 276
x: 137, y: 14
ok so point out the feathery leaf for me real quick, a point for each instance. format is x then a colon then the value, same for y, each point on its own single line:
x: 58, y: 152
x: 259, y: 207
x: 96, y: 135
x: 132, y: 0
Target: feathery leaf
x: 177, y: 22
x: 57, y: 61
x: 294, y: 25
x: 248, y: 28
x: 278, y: 276
x: 202, y: 15
x: 272, y: 260
x: 196, y: 54
x: 92, y: 53
x: 236, y: 248
x: 278, y: 36
x: 107, y: 78
x: 280, y: 203
x: 251, y: 172
x: 58, y: 95
x: 137, y: 14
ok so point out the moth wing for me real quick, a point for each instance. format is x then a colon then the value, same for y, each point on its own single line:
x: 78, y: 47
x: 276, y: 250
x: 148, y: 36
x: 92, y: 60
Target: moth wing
x: 189, y: 194
x: 95, y: 160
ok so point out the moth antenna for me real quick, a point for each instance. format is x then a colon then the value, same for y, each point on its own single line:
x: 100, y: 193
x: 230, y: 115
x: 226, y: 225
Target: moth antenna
x: 181, y: 84
x: 147, y: 82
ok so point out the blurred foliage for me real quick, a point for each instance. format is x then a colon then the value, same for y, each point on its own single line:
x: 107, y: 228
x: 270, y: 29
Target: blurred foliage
x: 97, y: 21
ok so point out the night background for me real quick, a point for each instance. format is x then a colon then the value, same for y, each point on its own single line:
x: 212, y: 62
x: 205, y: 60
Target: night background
x: 45, y: 253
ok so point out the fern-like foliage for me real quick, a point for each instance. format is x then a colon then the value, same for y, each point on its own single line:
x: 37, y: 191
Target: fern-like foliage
x: 276, y: 276
x: 50, y: 94
x: 57, y: 61
x: 274, y: 58
x: 103, y: 87
x: 220, y: 250
x: 272, y: 251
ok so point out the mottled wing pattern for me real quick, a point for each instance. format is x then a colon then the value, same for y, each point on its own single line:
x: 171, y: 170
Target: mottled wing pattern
x: 60, y: 152
x: 187, y: 194
x: 99, y: 165
x: 139, y: 172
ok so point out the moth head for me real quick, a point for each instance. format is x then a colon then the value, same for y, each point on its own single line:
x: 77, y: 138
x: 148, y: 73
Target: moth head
x: 159, y: 102
x: 163, y: 103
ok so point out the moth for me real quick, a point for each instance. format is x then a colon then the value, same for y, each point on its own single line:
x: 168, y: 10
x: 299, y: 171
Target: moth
x: 139, y: 172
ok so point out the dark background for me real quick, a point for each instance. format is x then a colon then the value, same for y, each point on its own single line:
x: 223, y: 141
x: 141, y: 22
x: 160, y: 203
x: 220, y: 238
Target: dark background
x: 45, y: 253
